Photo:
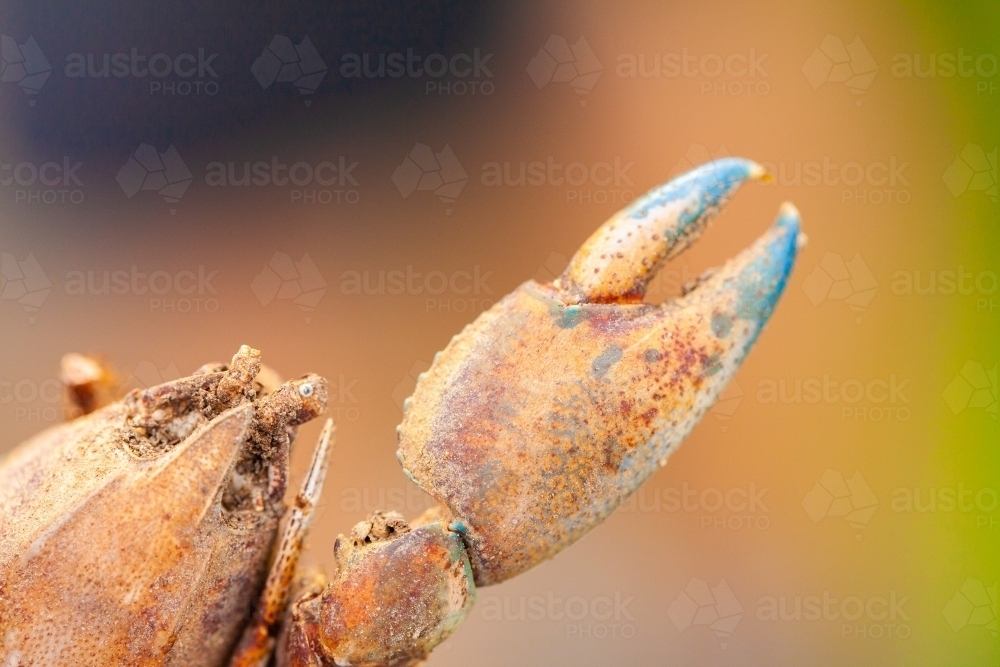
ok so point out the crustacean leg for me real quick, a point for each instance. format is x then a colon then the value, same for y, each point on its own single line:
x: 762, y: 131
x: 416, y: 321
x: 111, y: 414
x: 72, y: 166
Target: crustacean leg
x: 257, y: 644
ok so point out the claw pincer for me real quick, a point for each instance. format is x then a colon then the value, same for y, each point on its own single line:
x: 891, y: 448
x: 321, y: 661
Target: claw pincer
x: 553, y: 406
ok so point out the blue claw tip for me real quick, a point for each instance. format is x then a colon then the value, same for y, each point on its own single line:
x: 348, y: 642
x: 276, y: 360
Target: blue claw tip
x: 763, y: 280
x: 713, y: 183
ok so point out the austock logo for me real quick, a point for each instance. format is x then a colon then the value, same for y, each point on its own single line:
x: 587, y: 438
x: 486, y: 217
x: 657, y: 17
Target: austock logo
x: 981, y: 502
x: 284, y: 279
x: 33, y: 400
x: 23, y: 282
x: 470, y: 71
x: 459, y: 291
x: 559, y: 62
x: 149, y: 170
x: 729, y: 74
x: 835, y: 62
x: 284, y: 62
x: 849, y: 499
x: 424, y: 170
x: 833, y: 279
x: 878, y: 617
x: 875, y: 182
x: 184, y: 291
x: 300, y: 64
x: 853, y: 283
x: 973, y: 605
x: 326, y: 182
x: 949, y: 282
x: 702, y: 605
x: 25, y: 65
x: 981, y: 66
x: 733, y: 509
x: 974, y: 170
x: 52, y: 182
x: 973, y: 388
x: 611, y: 613
x: 182, y: 75
x: 600, y: 182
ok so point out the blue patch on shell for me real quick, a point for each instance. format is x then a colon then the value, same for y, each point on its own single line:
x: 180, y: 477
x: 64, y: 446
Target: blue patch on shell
x: 606, y: 360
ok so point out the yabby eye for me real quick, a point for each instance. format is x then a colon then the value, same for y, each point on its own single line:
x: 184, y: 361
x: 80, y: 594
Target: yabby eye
x: 306, y: 390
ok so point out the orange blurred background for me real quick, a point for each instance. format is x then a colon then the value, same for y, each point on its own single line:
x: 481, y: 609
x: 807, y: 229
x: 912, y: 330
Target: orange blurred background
x: 294, y: 270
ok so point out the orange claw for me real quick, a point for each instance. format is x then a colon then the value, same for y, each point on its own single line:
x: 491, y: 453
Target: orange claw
x: 551, y: 408
x: 397, y: 594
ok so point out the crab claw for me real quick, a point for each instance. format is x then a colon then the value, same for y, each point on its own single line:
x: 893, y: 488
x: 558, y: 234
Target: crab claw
x: 552, y: 407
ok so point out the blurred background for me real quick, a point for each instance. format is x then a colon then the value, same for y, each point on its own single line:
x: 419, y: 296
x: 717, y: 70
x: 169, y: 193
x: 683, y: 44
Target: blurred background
x: 345, y: 186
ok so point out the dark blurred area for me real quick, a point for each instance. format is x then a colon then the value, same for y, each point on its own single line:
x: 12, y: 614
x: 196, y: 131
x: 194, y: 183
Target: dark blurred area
x: 102, y: 107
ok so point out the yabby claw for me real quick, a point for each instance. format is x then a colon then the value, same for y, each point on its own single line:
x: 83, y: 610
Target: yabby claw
x: 552, y: 407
